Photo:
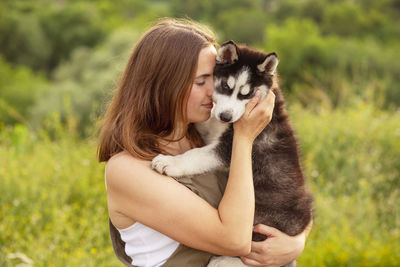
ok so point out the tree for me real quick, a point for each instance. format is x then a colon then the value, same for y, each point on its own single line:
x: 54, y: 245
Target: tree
x: 83, y: 84
x: 41, y: 37
x: 19, y: 89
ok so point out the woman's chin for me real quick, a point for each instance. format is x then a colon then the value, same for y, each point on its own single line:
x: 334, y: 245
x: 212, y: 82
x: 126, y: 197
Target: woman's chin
x: 201, y: 118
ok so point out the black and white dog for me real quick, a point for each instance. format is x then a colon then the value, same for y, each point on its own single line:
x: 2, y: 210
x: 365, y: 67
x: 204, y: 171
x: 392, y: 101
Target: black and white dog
x: 282, y: 200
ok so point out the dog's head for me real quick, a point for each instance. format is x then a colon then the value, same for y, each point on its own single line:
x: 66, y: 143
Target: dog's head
x: 239, y: 73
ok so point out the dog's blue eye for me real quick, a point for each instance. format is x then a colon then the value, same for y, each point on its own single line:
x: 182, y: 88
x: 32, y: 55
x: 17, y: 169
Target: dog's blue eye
x: 225, y: 86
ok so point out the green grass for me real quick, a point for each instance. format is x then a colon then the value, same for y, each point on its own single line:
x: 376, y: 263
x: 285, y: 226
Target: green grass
x: 352, y: 162
x: 53, y: 202
x: 53, y: 198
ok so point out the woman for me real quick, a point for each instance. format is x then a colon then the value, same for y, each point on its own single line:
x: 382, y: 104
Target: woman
x: 166, y: 87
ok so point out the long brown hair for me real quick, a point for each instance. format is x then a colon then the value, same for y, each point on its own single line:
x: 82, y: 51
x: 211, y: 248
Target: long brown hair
x: 152, y: 95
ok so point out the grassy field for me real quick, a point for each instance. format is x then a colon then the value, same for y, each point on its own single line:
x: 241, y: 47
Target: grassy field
x: 53, y: 200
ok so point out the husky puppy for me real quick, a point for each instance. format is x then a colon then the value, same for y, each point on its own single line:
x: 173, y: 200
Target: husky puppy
x: 281, y: 199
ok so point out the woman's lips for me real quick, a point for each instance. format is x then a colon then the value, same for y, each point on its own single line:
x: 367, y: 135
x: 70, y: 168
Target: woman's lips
x: 208, y: 105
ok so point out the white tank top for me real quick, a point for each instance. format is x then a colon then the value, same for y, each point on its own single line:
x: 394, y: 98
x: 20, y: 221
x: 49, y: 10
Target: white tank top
x: 145, y: 246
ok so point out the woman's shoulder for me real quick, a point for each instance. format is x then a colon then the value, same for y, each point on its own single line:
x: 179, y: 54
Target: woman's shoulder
x: 124, y: 157
x: 123, y: 163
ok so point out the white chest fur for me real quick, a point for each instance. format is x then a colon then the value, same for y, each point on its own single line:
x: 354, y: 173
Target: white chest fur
x: 211, y: 129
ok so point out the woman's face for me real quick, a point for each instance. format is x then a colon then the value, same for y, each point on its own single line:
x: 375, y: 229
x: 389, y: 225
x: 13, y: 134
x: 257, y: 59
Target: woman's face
x: 200, y: 99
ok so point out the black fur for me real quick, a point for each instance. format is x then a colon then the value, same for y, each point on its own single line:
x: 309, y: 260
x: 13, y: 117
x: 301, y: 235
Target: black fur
x: 282, y: 200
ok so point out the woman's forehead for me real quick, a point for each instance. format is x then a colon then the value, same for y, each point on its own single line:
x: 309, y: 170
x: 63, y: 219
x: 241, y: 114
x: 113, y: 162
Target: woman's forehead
x: 206, y: 61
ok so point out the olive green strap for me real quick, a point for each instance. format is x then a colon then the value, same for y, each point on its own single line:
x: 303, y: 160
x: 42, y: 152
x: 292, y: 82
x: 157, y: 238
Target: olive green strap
x: 182, y: 256
x: 209, y: 187
x: 188, y: 257
x: 119, y: 245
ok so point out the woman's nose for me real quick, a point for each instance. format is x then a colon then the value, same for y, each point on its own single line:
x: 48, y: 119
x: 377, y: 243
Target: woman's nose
x: 210, y: 89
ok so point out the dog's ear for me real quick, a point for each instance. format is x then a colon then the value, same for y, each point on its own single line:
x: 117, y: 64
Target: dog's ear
x: 227, y: 53
x: 269, y: 64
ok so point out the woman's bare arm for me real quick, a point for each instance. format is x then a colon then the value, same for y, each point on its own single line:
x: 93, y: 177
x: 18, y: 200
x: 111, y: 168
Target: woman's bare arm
x: 163, y: 204
x: 278, y: 249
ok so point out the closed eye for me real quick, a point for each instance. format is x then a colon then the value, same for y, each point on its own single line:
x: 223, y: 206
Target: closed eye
x: 201, y: 83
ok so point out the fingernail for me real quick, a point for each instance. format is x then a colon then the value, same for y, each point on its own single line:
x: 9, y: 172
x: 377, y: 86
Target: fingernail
x: 257, y: 94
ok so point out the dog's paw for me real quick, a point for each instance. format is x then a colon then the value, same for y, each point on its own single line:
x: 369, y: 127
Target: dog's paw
x: 168, y: 165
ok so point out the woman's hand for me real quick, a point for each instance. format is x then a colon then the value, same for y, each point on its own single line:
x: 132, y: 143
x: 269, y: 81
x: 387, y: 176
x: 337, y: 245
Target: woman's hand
x: 277, y: 250
x: 256, y: 116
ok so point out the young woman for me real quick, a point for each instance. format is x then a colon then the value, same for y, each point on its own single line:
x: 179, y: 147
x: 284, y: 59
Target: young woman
x: 166, y: 87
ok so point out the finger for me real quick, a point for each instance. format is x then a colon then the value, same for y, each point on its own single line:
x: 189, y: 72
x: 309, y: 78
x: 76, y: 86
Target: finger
x: 269, y: 100
x: 266, y: 230
x: 253, y: 102
x: 250, y: 262
x: 271, y: 95
x: 266, y: 106
x: 253, y: 255
x: 258, y: 248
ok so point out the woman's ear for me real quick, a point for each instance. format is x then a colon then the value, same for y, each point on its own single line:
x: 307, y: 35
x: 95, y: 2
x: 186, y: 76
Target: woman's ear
x: 227, y: 53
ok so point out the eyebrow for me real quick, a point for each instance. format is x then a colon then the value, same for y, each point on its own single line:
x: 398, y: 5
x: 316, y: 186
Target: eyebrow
x: 203, y: 76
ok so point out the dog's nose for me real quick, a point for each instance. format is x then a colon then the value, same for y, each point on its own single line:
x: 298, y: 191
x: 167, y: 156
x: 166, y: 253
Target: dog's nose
x: 225, y: 116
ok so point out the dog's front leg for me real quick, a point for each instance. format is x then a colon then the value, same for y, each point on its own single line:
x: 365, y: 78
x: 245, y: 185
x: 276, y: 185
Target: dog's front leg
x: 192, y: 162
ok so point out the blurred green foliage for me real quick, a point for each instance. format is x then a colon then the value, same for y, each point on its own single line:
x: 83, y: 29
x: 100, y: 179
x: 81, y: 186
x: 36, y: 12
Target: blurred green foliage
x: 316, y: 67
x: 53, y: 191
x: 58, y: 208
x: 40, y: 34
x: 332, y: 53
x: 82, y: 86
x: 20, y: 88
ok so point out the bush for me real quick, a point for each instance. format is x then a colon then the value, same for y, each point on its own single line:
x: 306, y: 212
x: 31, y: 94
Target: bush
x: 242, y: 25
x: 316, y: 68
x: 40, y: 35
x: 19, y: 89
x: 83, y: 84
x: 22, y: 39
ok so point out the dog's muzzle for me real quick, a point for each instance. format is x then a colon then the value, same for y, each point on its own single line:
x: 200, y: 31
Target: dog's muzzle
x: 225, y: 116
